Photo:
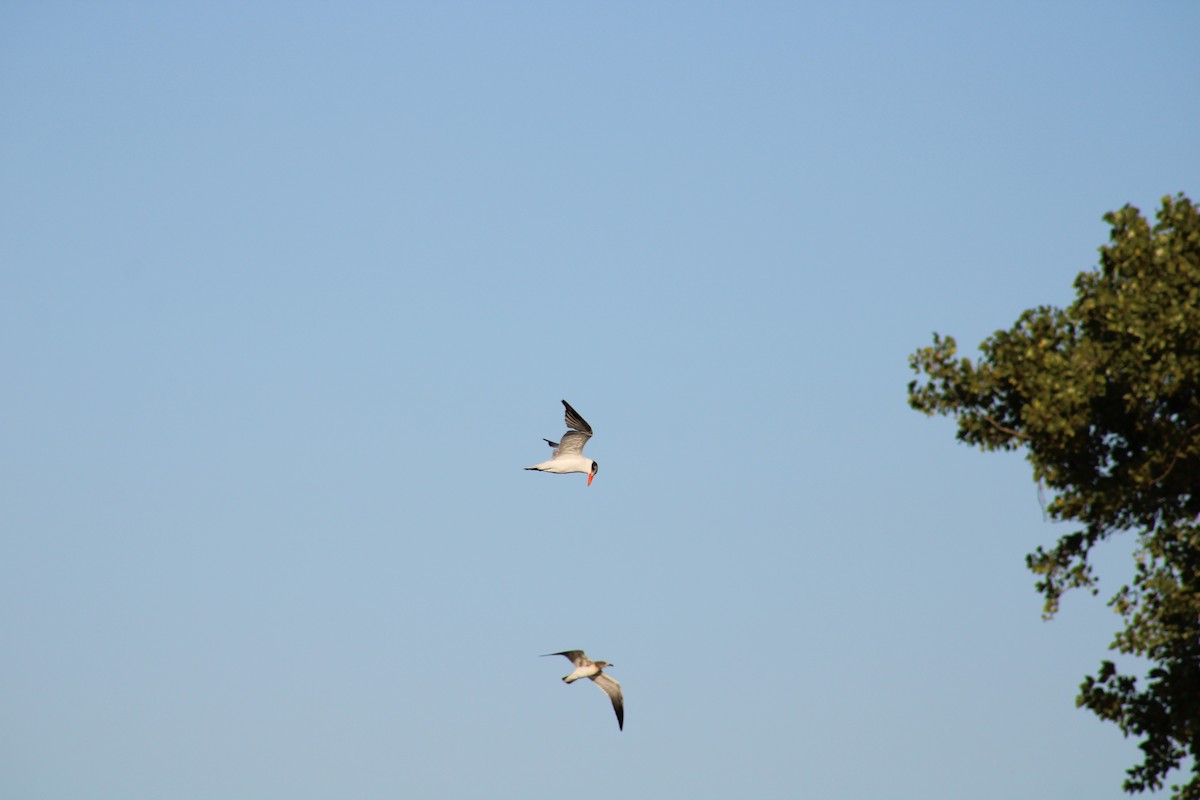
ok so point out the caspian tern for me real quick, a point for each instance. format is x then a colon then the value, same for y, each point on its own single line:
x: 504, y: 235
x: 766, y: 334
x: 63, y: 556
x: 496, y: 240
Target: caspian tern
x: 568, y: 454
x: 586, y: 668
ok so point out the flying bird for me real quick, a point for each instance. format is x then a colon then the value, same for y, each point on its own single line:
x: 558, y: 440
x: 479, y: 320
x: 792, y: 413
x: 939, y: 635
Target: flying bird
x: 568, y: 453
x: 586, y: 668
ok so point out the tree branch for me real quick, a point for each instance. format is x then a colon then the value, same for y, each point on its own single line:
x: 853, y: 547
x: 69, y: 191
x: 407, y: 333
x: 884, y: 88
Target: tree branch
x: 1003, y: 429
x: 1186, y: 435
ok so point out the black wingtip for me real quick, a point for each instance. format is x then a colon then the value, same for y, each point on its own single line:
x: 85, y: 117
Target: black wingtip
x: 575, y: 420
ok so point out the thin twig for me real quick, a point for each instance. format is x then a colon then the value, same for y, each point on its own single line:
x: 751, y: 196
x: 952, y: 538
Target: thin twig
x: 1186, y: 435
x: 1003, y: 429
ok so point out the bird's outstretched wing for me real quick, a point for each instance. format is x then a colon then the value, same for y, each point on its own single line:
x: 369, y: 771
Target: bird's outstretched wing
x: 576, y: 657
x: 612, y: 688
x: 577, y: 435
x: 572, y: 442
x: 576, y: 422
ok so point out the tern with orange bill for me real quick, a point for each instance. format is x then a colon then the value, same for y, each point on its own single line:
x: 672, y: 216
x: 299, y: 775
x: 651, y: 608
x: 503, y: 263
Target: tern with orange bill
x: 568, y: 452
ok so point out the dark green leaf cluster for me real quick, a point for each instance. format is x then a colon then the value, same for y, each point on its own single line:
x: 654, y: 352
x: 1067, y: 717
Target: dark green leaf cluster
x: 1104, y: 396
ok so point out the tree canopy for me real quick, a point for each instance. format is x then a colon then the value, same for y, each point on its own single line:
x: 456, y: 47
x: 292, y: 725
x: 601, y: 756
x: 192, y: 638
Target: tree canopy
x: 1104, y: 398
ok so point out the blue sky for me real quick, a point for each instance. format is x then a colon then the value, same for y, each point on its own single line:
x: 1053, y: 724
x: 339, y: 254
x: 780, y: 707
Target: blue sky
x: 289, y: 293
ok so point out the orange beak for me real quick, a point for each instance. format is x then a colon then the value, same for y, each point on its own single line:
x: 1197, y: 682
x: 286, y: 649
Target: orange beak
x: 590, y: 476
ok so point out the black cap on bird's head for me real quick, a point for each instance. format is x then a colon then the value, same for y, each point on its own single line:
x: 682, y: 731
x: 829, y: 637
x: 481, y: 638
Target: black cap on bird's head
x: 592, y: 474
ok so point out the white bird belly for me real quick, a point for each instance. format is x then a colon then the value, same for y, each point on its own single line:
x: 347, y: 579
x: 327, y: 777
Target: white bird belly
x: 566, y: 464
x: 582, y: 672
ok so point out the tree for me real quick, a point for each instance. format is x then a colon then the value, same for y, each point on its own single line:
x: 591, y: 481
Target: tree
x: 1104, y: 398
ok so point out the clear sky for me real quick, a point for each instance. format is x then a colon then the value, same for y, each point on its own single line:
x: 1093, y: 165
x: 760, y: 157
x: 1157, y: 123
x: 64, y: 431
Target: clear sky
x: 290, y: 292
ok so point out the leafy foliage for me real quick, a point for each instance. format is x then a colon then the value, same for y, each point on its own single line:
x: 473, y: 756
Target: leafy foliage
x: 1104, y: 397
